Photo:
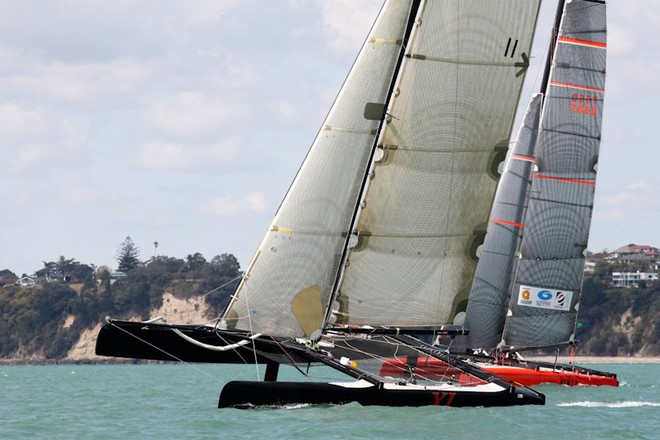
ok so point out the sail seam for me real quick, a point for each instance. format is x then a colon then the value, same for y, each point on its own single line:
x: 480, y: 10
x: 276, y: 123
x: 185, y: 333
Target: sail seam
x: 350, y: 130
x: 523, y: 158
x: 507, y: 222
x: 384, y: 41
x: 563, y: 179
x: 401, y: 235
x: 440, y: 150
x: 416, y: 56
x: 596, y: 138
x: 302, y: 231
x: 577, y: 86
x: 577, y: 41
x: 558, y: 202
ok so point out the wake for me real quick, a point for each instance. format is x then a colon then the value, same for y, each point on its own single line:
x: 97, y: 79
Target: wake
x: 625, y: 404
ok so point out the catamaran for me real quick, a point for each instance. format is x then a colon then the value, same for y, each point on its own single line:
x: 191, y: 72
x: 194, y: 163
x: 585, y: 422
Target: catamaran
x: 373, y: 251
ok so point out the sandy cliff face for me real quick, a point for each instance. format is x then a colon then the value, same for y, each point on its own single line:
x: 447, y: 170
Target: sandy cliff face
x: 176, y: 310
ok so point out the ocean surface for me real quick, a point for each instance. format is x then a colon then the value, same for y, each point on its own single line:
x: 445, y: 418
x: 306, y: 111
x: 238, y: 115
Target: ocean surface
x: 180, y: 401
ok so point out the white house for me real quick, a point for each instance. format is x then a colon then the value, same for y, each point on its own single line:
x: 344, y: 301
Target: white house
x: 628, y: 279
x: 26, y: 281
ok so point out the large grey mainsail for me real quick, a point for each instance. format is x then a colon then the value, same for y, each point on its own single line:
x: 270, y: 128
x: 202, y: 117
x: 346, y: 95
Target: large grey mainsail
x: 547, y: 285
x: 491, y: 288
x: 426, y: 206
x: 289, y: 280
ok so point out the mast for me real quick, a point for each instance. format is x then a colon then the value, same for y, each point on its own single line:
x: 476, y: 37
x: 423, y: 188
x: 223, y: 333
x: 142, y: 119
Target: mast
x: 552, y: 45
x: 381, y: 111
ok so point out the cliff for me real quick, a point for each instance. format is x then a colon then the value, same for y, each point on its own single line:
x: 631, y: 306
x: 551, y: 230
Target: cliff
x: 180, y: 311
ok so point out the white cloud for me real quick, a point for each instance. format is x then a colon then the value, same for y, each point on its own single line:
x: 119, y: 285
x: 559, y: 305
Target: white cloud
x: 347, y: 24
x: 79, y: 195
x: 191, y: 114
x: 253, y: 203
x: 165, y: 155
x: 285, y: 111
x: 31, y: 138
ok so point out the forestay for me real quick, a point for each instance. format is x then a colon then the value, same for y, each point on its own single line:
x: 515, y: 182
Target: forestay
x: 431, y: 188
x: 547, y: 285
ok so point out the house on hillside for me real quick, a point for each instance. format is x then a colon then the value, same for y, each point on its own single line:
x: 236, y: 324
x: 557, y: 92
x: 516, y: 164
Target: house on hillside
x: 8, y: 282
x: 26, y: 281
x: 637, y: 249
x: 632, y: 279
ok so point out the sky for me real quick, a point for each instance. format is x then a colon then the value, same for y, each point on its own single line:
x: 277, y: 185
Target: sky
x: 184, y: 123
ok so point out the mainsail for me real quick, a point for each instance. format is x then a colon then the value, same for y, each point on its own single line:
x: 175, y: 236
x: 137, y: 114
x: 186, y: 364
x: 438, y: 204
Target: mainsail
x: 431, y: 187
x: 547, y: 286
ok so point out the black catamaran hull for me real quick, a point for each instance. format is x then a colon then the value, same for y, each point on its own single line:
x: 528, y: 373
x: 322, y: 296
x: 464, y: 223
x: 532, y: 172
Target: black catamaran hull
x: 248, y: 394
x: 188, y: 343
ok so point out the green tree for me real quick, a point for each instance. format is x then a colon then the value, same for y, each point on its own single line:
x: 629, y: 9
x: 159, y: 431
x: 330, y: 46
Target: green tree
x: 127, y: 256
x: 6, y: 273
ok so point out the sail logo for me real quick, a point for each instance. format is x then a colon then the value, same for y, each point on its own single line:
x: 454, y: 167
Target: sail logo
x: 544, y: 295
x: 544, y: 298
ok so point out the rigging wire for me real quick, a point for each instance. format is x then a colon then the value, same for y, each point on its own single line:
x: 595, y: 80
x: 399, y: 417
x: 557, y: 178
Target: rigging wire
x: 169, y: 354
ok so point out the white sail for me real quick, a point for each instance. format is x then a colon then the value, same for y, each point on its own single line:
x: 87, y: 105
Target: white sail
x: 295, y: 266
x: 548, y: 281
x: 425, y: 211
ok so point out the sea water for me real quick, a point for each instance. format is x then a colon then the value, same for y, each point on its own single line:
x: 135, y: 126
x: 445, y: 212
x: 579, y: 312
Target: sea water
x: 163, y: 401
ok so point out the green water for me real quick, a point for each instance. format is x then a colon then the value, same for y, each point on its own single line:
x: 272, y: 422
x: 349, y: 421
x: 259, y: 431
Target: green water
x: 179, y: 401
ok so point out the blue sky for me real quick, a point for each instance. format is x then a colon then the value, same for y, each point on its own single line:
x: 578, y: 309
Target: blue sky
x: 184, y: 122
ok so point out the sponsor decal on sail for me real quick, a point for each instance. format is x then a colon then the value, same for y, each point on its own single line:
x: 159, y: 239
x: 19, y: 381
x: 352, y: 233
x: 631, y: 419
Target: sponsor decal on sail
x: 544, y: 298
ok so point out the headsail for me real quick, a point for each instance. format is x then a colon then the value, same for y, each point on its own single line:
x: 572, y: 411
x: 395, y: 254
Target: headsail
x: 301, y: 251
x: 547, y: 285
x: 425, y: 210
x: 490, y: 294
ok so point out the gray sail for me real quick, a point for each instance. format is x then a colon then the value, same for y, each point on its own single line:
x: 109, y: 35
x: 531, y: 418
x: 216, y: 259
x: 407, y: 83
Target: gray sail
x: 491, y: 287
x: 547, y: 285
x: 288, y: 283
x: 430, y: 190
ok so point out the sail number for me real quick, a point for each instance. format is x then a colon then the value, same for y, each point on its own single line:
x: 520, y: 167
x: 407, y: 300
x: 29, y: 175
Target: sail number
x: 584, y: 104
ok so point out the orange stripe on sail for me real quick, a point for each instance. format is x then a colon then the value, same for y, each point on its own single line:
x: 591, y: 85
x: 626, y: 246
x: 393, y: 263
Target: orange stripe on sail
x: 521, y: 157
x: 562, y: 179
x: 506, y: 222
x: 576, y: 86
x: 582, y: 42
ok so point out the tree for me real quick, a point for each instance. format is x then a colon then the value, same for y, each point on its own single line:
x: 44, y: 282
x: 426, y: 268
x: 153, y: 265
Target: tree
x: 6, y: 273
x: 195, y: 262
x: 127, y: 255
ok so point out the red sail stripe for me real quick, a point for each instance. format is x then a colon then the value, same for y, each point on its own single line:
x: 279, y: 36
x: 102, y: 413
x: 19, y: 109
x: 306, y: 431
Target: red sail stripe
x: 562, y: 179
x: 521, y: 157
x: 576, y: 86
x: 506, y: 222
x: 582, y: 42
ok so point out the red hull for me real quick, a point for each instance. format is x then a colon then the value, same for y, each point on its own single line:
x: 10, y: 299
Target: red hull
x: 531, y: 376
x: 527, y: 375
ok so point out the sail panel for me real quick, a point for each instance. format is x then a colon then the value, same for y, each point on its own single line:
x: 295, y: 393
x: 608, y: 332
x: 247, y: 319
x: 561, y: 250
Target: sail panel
x: 489, y: 297
x: 303, y: 246
x: 426, y: 207
x: 545, y: 296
